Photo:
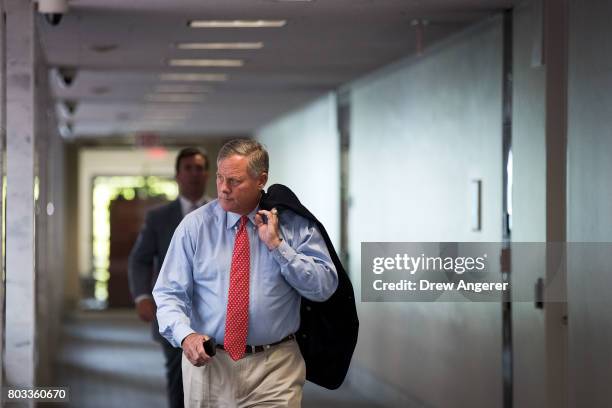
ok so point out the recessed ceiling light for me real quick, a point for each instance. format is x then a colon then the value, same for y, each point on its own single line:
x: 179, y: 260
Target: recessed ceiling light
x: 172, y: 98
x: 122, y: 116
x: 167, y: 113
x: 165, y: 117
x: 236, y: 23
x: 220, y: 46
x: 179, y: 88
x: 154, y: 110
x: 206, y: 63
x: 100, y: 90
x: 193, y: 77
x: 103, y: 48
x: 152, y: 124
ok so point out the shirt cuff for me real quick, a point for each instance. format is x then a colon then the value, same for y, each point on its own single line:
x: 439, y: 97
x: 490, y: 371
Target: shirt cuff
x: 142, y: 297
x: 180, y: 333
x: 283, y: 253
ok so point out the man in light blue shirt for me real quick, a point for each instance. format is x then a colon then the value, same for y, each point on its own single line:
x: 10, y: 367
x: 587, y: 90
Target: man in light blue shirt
x: 286, y: 258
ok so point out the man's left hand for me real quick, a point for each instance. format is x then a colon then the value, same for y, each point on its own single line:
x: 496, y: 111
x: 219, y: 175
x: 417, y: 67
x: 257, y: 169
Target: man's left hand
x: 146, y: 309
x: 268, y: 232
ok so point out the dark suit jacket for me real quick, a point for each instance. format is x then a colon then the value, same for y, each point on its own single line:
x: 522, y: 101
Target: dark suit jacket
x: 328, y: 330
x: 150, y: 249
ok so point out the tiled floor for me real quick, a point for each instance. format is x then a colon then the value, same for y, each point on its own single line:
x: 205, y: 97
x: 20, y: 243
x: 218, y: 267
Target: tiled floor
x: 109, y: 360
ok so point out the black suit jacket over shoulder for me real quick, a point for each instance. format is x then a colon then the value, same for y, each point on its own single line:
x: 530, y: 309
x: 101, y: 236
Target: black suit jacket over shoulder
x: 328, y: 330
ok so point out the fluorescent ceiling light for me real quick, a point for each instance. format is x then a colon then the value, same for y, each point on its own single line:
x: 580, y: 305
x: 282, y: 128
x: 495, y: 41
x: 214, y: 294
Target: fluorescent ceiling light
x: 161, y: 116
x: 152, y: 109
x: 165, y: 115
x: 206, y: 63
x: 151, y: 126
x: 220, y: 46
x: 236, y: 23
x: 174, y: 98
x: 103, y: 48
x: 193, y: 77
x: 179, y: 88
x: 148, y: 122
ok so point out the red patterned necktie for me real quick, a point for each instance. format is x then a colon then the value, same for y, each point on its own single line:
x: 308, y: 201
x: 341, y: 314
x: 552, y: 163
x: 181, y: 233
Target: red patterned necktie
x: 237, y: 316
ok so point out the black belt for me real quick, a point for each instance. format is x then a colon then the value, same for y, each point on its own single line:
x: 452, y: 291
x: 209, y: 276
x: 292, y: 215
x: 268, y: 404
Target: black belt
x: 256, y: 349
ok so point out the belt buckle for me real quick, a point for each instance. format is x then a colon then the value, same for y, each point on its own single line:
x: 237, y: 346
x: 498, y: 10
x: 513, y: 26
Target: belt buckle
x: 250, y: 349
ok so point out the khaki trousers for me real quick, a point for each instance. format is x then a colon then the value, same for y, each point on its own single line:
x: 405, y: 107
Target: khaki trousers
x: 271, y: 378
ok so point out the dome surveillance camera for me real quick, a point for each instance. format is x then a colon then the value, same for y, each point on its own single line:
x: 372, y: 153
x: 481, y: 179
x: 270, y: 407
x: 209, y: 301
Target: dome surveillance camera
x: 67, y: 108
x: 65, y: 76
x: 53, y: 18
x: 66, y: 130
x: 53, y: 10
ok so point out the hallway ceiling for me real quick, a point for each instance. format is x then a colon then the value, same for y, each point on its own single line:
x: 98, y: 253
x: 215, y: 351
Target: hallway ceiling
x: 121, y: 49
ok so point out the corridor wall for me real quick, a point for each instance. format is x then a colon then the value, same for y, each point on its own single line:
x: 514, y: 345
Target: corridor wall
x: 2, y: 173
x: 304, y: 154
x: 589, y: 194
x: 421, y: 131
x: 528, y: 199
x: 50, y: 223
x: 34, y: 214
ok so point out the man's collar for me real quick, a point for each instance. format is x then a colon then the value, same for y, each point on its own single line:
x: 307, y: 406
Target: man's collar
x: 200, y: 202
x: 233, y: 218
x: 187, y: 205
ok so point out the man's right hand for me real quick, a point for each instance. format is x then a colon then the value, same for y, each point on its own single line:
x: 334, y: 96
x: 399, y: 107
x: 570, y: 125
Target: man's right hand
x: 193, y: 347
x: 146, y: 309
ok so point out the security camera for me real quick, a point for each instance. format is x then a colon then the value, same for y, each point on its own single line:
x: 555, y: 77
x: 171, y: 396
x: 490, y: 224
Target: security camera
x: 66, y: 130
x: 68, y: 108
x: 53, y: 10
x: 53, y: 18
x: 65, y: 76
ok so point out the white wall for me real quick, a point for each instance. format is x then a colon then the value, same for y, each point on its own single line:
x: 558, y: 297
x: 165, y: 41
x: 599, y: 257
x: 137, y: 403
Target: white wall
x: 2, y: 168
x: 50, y: 220
x: 421, y: 131
x: 304, y: 155
x: 22, y: 138
x: 589, y: 197
x: 528, y: 201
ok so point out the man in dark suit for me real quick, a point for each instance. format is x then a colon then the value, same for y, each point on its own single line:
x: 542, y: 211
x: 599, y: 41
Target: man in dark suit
x: 150, y: 249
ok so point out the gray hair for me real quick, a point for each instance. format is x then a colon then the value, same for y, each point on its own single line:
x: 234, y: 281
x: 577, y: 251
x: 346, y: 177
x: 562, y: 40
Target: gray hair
x: 250, y: 148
